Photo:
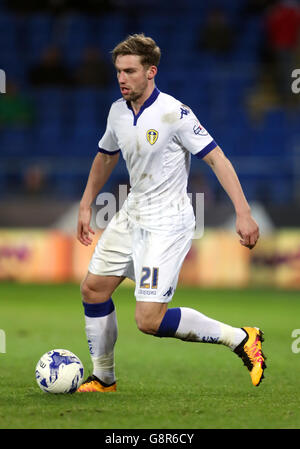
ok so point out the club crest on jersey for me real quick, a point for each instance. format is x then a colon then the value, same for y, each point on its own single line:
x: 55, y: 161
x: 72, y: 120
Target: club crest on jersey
x: 152, y: 136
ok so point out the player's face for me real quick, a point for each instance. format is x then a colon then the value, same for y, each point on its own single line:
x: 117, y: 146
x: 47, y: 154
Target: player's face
x: 133, y: 77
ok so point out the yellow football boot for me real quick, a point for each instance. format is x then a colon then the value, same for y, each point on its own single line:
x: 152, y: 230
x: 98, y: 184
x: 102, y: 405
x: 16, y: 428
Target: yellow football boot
x: 250, y: 351
x: 93, y: 384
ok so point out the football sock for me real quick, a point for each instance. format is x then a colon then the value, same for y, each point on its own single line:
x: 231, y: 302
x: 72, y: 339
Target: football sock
x: 101, y: 331
x: 190, y: 325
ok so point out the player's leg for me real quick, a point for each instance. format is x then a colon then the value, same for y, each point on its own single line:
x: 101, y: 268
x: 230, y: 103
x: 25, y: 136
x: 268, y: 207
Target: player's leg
x: 162, y: 260
x: 185, y: 324
x: 110, y: 264
x: 101, y: 329
x: 157, y: 266
x: 190, y: 325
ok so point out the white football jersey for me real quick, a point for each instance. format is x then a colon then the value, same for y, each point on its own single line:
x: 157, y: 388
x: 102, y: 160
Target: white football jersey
x: 156, y: 145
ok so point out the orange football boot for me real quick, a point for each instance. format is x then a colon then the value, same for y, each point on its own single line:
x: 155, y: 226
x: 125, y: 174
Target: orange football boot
x: 93, y: 384
x: 250, y: 351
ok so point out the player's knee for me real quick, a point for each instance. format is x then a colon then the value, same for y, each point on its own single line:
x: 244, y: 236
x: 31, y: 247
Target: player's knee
x: 86, y: 292
x: 146, y: 326
x: 91, y: 294
x: 148, y: 316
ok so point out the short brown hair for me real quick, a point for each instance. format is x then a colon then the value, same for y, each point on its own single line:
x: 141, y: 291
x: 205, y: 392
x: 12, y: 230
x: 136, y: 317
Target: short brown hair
x: 140, y: 45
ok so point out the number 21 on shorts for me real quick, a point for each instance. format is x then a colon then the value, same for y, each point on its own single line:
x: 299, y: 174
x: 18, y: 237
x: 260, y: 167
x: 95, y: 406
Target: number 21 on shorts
x: 149, y: 277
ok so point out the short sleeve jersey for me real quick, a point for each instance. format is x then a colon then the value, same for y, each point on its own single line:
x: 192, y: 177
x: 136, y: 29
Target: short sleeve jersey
x: 156, y: 145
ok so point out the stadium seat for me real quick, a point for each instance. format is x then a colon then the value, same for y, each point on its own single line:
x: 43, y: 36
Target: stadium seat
x: 15, y: 141
x: 70, y: 122
x: 39, y: 35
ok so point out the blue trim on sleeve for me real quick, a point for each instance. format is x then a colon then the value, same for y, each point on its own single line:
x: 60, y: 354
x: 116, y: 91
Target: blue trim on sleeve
x: 211, y: 146
x: 102, y: 150
x: 98, y: 309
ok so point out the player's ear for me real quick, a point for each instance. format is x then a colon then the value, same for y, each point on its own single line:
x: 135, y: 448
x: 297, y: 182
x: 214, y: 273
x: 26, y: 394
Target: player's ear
x: 151, y: 72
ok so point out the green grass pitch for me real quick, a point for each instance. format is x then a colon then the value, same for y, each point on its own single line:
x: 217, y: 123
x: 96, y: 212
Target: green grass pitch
x: 162, y: 383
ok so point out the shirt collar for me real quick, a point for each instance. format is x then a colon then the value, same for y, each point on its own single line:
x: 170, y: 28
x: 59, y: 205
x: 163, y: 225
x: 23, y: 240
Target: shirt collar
x: 150, y: 100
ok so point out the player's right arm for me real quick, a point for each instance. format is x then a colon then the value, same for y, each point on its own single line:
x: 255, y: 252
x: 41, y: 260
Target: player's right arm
x: 101, y: 169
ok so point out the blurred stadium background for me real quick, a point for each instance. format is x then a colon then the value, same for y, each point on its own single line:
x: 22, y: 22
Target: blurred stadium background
x: 230, y: 61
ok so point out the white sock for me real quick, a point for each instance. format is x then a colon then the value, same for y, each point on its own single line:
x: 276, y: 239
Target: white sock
x: 194, y: 326
x: 102, y: 330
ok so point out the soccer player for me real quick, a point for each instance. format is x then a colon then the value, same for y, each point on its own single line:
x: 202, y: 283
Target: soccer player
x: 148, y: 239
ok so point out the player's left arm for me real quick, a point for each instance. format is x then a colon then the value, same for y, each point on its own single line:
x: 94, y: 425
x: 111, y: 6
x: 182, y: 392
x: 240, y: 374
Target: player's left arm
x: 246, y: 226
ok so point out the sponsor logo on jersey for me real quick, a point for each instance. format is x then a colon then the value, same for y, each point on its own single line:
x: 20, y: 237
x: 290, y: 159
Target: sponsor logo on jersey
x: 152, y: 136
x: 146, y: 292
x: 199, y: 130
x: 168, y: 292
x: 184, y: 110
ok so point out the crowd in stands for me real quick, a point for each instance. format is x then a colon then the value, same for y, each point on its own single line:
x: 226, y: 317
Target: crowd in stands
x: 93, y: 70
x: 232, y: 64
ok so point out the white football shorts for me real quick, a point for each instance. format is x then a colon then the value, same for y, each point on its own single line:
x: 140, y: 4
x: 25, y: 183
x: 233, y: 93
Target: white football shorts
x: 152, y: 260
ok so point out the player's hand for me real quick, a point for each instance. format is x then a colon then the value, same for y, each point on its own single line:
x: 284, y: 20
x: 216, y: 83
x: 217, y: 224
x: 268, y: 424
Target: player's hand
x: 83, y: 227
x: 248, y: 230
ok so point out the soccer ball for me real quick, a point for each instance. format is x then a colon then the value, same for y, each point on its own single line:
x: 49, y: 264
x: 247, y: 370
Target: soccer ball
x: 59, y: 371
